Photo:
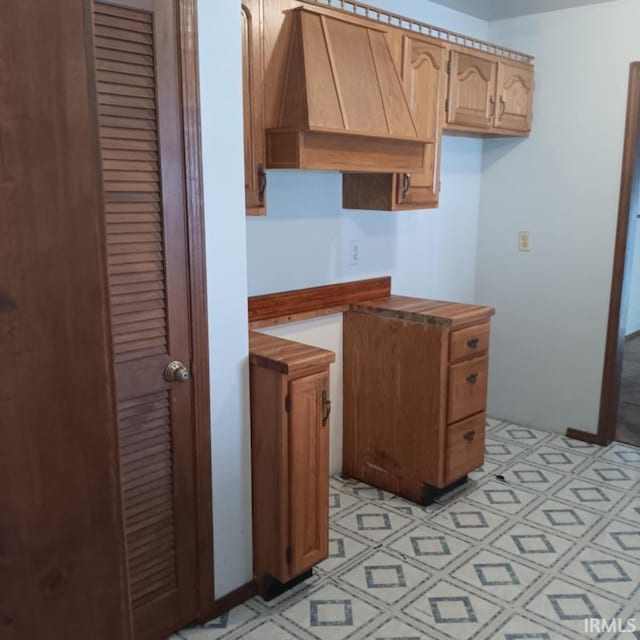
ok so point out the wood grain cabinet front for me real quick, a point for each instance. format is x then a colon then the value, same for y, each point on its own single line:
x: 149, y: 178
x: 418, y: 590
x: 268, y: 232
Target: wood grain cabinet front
x: 514, y: 101
x: 290, y: 410
x: 489, y: 95
x: 423, y: 68
x: 415, y: 390
x: 255, y: 178
x: 472, y: 90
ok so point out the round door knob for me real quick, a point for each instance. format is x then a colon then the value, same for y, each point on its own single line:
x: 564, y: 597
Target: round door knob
x: 176, y: 372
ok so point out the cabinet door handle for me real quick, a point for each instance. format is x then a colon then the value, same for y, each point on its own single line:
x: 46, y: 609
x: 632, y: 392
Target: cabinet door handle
x: 470, y: 436
x: 492, y: 110
x: 503, y: 107
x: 326, y: 408
x: 472, y: 378
x: 262, y: 180
x: 473, y: 343
x: 406, y: 185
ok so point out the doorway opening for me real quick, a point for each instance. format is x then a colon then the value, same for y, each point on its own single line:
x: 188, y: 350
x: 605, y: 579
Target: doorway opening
x: 620, y: 401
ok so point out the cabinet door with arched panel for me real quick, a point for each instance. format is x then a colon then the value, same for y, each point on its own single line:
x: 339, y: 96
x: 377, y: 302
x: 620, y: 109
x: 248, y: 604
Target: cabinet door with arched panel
x: 472, y: 91
x: 515, y: 97
x: 424, y: 77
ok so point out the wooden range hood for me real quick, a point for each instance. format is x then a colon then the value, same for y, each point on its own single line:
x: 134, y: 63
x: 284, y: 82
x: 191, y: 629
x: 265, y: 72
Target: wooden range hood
x: 342, y: 106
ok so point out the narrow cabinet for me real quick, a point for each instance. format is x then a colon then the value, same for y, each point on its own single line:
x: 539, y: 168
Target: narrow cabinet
x: 423, y: 67
x: 255, y: 178
x: 472, y: 90
x: 308, y: 418
x: 423, y: 75
x: 290, y: 413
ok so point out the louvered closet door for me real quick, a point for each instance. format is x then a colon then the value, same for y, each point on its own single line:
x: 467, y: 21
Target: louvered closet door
x: 138, y: 95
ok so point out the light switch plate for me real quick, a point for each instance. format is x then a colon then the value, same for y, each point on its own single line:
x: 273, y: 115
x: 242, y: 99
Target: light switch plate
x: 524, y: 241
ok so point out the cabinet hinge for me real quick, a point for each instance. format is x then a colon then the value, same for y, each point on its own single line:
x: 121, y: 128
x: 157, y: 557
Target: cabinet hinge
x: 287, y: 403
x: 446, y: 105
x: 439, y: 186
x: 289, y: 554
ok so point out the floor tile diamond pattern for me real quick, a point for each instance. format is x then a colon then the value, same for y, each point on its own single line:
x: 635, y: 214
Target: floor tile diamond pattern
x: 545, y: 534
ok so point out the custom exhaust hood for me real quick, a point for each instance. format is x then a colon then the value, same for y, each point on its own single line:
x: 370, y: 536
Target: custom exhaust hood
x: 342, y: 106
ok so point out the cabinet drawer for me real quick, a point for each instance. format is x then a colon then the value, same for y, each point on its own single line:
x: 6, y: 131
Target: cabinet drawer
x: 467, y: 388
x: 465, y: 447
x: 469, y: 343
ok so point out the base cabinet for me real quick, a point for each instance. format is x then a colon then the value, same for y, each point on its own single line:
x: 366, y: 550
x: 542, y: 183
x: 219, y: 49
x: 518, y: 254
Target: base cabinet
x: 414, y: 402
x: 290, y: 408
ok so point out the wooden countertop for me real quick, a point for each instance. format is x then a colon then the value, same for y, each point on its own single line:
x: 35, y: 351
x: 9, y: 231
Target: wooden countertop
x: 286, y: 356
x: 365, y: 296
x: 451, y: 315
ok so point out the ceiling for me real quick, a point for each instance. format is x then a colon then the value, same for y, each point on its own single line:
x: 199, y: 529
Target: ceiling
x: 497, y: 9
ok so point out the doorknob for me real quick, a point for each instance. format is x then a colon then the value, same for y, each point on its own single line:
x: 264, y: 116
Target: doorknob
x: 176, y: 372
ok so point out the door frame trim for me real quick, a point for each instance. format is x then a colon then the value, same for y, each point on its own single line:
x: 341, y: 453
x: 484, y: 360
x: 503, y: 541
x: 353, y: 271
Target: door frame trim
x: 620, y: 285
x: 190, y: 86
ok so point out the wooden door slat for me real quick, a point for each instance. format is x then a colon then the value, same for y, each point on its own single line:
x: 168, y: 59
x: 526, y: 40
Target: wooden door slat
x: 120, y: 176
x: 149, y: 552
x: 132, y: 207
x: 130, y: 247
x: 106, y: 99
x: 129, y: 258
x: 135, y: 278
x: 113, y: 55
x: 134, y: 15
x: 105, y: 42
x: 130, y: 165
x: 126, y: 124
x: 135, y: 288
x: 132, y: 356
x: 118, y: 89
x: 126, y: 135
x: 125, y: 68
x: 127, y: 24
x: 124, y: 35
x: 151, y: 561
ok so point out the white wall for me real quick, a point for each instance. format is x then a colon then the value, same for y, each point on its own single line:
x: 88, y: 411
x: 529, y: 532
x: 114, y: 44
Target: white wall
x: 633, y: 303
x: 562, y: 185
x: 304, y: 239
x: 221, y: 103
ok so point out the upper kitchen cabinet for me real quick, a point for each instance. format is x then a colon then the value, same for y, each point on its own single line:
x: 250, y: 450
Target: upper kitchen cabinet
x: 488, y: 95
x: 472, y: 90
x: 423, y: 64
x: 356, y: 89
x: 514, y: 110
x: 255, y: 179
x: 342, y: 105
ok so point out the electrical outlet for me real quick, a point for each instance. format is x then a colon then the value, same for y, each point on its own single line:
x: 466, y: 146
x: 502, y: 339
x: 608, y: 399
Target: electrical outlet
x: 354, y: 254
x: 524, y: 241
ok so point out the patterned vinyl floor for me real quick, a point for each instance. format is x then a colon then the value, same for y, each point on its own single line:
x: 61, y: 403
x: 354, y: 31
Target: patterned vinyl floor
x: 529, y: 556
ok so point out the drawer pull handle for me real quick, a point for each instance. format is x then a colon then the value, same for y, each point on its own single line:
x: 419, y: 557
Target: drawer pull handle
x: 470, y: 436
x: 406, y: 185
x: 472, y: 378
x: 473, y: 343
x: 326, y: 405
